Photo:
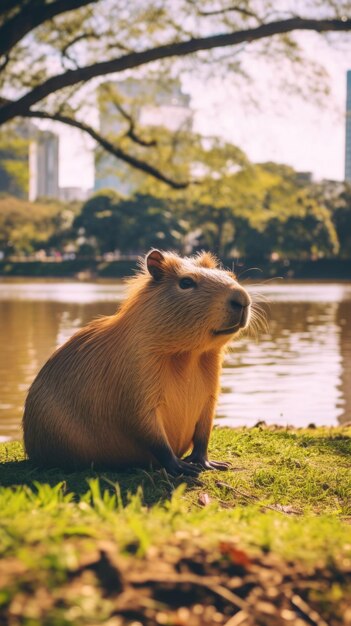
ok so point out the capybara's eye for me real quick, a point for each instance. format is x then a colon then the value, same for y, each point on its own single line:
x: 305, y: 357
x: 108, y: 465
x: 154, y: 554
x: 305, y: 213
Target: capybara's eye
x: 187, y: 283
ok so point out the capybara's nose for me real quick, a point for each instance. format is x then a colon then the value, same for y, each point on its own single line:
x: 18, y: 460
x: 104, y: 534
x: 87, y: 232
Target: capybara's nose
x: 235, y: 306
x: 239, y: 299
x: 239, y: 306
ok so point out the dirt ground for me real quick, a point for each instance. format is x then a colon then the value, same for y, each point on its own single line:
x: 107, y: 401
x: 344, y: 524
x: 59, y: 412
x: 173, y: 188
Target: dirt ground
x: 179, y: 585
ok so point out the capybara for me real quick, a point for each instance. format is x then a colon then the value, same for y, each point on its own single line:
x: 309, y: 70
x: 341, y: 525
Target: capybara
x: 140, y: 387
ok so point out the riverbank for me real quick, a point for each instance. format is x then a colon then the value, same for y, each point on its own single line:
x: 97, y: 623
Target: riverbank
x: 321, y: 269
x: 267, y: 541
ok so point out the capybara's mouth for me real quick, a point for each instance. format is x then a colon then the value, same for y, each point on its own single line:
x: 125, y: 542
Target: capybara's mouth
x: 227, y: 331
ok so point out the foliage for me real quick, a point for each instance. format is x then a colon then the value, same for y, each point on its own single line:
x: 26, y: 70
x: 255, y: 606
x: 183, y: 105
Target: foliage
x: 26, y: 227
x: 277, y: 214
x: 337, y: 199
x: 239, y: 209
x: 254, y: 210
x: 342, y: 219
x: 54, y: 54
x: 13, y: 161
x: 112, y: 223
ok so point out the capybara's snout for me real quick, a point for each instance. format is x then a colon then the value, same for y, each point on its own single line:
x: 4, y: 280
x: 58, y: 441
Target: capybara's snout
x: 239, y: 305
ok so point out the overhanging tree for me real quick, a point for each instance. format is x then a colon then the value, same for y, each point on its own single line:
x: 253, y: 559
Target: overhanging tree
x: 53, y: 51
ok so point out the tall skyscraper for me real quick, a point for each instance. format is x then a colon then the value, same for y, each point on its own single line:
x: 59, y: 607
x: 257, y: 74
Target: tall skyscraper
x: 44, y: 166
x: 348, y: 130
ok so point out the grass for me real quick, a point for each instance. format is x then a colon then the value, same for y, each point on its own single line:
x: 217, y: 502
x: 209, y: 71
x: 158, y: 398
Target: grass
x: 286, y: 497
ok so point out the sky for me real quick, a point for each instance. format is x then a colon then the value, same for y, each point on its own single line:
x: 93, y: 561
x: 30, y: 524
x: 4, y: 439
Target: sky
x: 298, y: 131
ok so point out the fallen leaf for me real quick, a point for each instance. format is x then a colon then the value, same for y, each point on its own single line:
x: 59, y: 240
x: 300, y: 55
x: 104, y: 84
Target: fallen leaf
x: 237, y: 556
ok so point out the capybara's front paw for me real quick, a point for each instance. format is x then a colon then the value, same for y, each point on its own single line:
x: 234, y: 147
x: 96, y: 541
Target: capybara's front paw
x: 178, y: 468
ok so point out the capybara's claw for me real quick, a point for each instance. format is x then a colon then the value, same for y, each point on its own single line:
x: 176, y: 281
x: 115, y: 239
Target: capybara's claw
x: 205, y: 464
x: 218, y: 465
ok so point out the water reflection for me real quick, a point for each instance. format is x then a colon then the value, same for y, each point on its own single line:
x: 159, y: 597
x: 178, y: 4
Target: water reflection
x: 292, y: 375
x: 343, y: 320
x: 298, y: 372
x: 30, y: 330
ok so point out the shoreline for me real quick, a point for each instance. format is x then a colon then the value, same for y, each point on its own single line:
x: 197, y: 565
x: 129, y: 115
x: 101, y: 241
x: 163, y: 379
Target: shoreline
x: 255, y: 269
x: 223, y: 424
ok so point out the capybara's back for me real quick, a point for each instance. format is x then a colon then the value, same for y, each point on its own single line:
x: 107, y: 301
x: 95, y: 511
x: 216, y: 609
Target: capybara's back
x: 140, y: 386
x: 72, y: 404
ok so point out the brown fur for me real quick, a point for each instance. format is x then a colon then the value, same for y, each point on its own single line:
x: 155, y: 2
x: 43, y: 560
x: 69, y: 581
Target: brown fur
x: 149, y: 373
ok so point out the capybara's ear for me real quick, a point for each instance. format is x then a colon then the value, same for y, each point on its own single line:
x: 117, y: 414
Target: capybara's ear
x: 206, y: 259
x: 155, y: 264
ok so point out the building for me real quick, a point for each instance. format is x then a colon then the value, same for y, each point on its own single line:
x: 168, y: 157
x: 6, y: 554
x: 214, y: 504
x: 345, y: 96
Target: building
x: 348, y: 130
x: 44, y: 166
x: 149, y: 104
x: 29, y: 162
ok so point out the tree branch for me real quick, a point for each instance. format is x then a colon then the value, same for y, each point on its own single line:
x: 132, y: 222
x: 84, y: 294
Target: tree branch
x: 131, y: 133
x: 5, y: 62
x: 182, y: 48
x: 7, y: 5
x: 230, y: 9
x: 109, y: 147
x: 29, y: 17
x: 77, y: 39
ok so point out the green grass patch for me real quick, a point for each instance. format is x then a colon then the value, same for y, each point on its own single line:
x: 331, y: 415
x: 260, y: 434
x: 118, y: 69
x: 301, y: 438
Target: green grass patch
x: 280, y: 480
x: 288, y: 493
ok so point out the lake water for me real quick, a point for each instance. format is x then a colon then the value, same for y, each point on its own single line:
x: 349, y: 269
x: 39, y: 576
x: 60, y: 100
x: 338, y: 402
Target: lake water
x: 298, y: 372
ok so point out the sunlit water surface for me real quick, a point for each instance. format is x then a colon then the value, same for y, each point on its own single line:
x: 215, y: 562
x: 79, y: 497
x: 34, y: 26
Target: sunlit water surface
x: 298, y: 372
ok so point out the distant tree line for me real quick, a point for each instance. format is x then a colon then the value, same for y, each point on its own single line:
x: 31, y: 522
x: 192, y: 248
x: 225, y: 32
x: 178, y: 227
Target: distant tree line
x: 266, y: 211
